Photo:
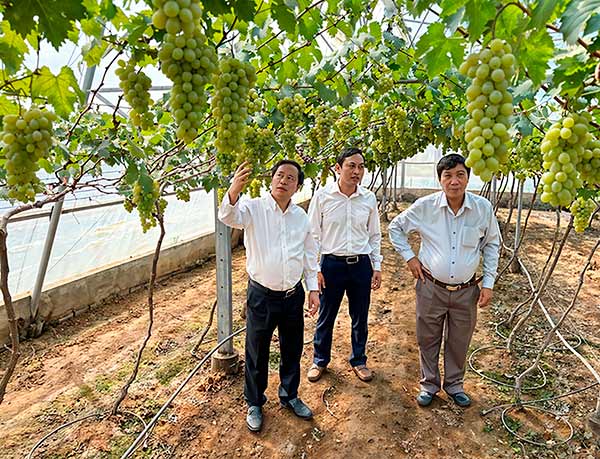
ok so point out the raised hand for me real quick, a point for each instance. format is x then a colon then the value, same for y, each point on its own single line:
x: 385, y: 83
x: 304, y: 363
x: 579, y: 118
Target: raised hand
x: 240, y: 179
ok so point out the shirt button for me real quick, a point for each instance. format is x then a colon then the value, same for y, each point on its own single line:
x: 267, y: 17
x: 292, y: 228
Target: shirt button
x: 453, y: 232
x: 451, y: 277
x: 453, y: 247
x: 452, y: 262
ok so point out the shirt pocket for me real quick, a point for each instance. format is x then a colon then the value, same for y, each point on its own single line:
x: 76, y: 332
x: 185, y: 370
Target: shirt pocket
x: 471, y: 236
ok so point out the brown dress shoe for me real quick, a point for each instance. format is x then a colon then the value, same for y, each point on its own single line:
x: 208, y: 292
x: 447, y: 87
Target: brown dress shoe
x: 363, y: 373
x: 315, y: 372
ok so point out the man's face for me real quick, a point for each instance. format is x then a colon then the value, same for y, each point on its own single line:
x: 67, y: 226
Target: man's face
x: 454, y: 181
x: 285, y: 182
x: 352, y: 169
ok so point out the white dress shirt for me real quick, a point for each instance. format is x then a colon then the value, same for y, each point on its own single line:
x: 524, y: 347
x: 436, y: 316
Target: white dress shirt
x: 279, y: 245
x: 346, y: 225
x: 451, y: 245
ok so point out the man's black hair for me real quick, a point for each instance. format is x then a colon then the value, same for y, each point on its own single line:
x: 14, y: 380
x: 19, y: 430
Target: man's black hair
x: 347, y: 152
x: 291, y: 163
x: 450, y: 162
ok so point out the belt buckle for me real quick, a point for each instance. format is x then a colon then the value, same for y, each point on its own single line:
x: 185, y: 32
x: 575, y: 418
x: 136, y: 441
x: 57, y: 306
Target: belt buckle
x: 453, y: 288
x: 290, y: 292
x: 352, y: 260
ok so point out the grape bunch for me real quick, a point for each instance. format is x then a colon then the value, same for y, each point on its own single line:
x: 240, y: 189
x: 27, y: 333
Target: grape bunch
x: 384, y: 146
x: 187, y: 60
x: 135, y: 86
x: 146, y: 204
x: 562, y: 148
x: 258, y: 147
x: 175, y: 16
x: 528, y: 157
x: 230, y: 104
x: 385, y: 84
x: 27, y: 138
x: 395, y: 119
x: 255, y: 103
x: 582, y: 210
x: 293, y: 109
x: 364, y: 118
x: 589, y: 166
x: 254, y: 188
x: 490, y: 107
x: 343, y: 127
x: 324, y: 119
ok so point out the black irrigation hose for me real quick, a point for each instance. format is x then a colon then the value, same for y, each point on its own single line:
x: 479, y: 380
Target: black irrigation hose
x: 136, y: 443
x: 578, y: 340
x: 502, y: 383
x: 539, y: 400
x: 537, y: 443
x: 100, y: 416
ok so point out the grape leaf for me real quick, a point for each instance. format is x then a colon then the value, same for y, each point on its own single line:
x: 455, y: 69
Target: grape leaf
x: 478, y: 13
x: 575, y: 16
x: 53, y: 18
x: 61, y: 91
x: 12, y: 48
x: 437, y: 51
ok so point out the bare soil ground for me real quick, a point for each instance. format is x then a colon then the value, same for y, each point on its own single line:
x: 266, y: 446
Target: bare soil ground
x: 78, y: 367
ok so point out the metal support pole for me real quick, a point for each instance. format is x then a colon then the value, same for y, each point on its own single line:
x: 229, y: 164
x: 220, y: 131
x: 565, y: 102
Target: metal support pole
x: 493, y: 191
x: 402, y: 178
x: 226, y: 358
x: 54, y: 219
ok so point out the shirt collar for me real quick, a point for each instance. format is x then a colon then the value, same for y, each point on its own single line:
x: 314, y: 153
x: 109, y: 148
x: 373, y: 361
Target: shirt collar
x: 272, y: 204
x: 442, y: 201
x: 335, y: 187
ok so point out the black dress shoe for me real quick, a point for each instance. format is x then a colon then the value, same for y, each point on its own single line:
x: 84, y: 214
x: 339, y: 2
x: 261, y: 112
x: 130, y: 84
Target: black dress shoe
x: 254, y: 418
x: 298, y: 407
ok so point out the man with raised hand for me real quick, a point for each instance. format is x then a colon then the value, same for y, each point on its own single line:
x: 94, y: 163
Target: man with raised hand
x: 345, y: 222
x: 280, y: 250
x: 456, y: 228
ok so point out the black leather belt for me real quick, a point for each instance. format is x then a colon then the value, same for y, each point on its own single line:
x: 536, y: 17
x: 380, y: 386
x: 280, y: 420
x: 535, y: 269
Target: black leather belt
x: 350, y: 259
x: 275, y: 293
x: 452, y: 287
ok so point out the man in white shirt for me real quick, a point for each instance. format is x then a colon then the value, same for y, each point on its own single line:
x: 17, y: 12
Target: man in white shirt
x: 280, y: 250
x: 345, y: 222
x: 456, y: 227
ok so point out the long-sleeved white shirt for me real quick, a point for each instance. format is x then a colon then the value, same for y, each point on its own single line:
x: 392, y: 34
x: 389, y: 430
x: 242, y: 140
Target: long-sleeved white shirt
x: 346, y: 225
x: 451, y: 245
x: 279, y: 245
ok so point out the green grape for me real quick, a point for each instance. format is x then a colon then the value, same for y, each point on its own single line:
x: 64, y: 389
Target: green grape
x: 187, y: 60
x: 562, y: 149
x: 395, y: 118
x: 582, y: 210
x: 324, y: 119
x: 183, y: 194
x: 589, y: 165
x: 255, y: 103
x: 490, y: 107
x: 254, y: 188
x: 26, y: 139
x: 527, y: 158
x: 293, y: 110
x: 147, y: 203
x: 385, y: 84
x: 342, y: 127
x: 365, y: 111
x: 135, y: 86
x: 258, y: 147
x: 232, y: 83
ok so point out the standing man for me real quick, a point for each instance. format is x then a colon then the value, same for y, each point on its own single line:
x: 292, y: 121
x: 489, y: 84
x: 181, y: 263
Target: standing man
x: 345, y: 223
x: 280, y: 249
x: 456, y: 227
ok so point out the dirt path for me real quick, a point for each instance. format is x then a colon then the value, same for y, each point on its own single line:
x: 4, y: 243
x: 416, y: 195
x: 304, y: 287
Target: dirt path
x: 78, y: 367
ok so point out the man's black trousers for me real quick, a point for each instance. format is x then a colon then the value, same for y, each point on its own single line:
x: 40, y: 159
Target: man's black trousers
x: 266, y: 311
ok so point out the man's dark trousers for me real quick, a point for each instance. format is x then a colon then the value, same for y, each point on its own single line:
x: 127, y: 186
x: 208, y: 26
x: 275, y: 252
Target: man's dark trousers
x: 266, y: 311
x: 350, y: 275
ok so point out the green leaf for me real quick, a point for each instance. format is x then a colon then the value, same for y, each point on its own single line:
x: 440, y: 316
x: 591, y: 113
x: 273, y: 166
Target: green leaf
x: 53, y: 18
x: 311, y: 170
x: 449, y: 7
x: 92, y: 54
x: 244, y: 9
x: 7, y: 106
x: 437, y: 51
x: 593, y: 24
x: 12, y: 49
x: 308, y: 26
x: 478, y: 13
x: 216, y: 7
x: 542, y: 13
x: 61, y: 91
x: 325, y: 93
x: 284, y: 16
x: 534, y: 54
x: 575, y: 16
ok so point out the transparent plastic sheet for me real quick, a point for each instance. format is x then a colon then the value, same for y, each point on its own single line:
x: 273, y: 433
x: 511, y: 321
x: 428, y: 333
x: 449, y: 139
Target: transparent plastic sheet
x: 89, y: 240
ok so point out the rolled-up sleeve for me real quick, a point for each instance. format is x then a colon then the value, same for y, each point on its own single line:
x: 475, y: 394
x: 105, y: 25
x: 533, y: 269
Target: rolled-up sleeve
x: 237, y: 215
x: 400, y: 227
